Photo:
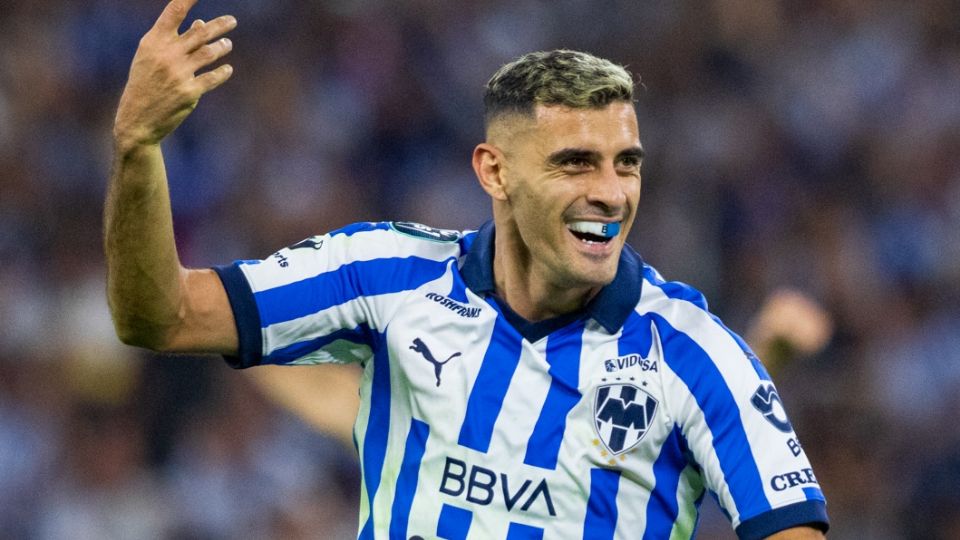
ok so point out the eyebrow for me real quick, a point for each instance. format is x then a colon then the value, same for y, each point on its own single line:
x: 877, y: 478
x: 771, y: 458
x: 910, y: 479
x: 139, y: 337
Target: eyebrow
x: 566, y: 154
x: 636, y: 151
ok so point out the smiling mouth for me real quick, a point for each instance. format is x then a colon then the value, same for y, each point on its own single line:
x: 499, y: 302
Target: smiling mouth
x: 594, y: 232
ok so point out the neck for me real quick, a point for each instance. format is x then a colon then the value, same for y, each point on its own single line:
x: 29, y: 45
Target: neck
x: 524, y: 284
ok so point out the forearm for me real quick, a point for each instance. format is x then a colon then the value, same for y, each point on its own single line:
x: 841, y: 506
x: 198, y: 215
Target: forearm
x: 143, y: 269
x: 154, y: 301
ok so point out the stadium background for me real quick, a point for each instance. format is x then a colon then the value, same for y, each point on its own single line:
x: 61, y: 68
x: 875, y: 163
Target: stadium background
x: 814, y: 144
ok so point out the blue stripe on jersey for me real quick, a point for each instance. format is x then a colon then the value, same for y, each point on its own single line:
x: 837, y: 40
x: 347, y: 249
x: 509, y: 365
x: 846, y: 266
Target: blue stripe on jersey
x: 361, y: 334
x: 662, y: 510
x: 519, y: 531
x: 636, y: 337
x: 601, y: 520
x: 407, y: 480
x: 378, y: 426
x: 681, y: 291
x: 454, y: 522
x: 354, y: 228
x: 698, y: 372
x: 814, y: 494
x: 378, y: 276
x: 458, y: 291
x: 563, y: 355
x: 486, y: 397
x: 676, y: 289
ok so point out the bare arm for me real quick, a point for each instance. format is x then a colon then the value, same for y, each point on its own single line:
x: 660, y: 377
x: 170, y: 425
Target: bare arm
x: 798, y: 533
x: 155, y: 302
x: 325, y: 397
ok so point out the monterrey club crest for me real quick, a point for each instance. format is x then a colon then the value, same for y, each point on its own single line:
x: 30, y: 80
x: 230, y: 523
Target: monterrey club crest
x: 622, y: 413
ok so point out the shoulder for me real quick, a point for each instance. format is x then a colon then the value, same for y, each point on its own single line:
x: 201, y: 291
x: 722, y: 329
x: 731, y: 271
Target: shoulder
x: 395, y: 239
x: 681, y: 314
x: 367, y: 250
x: 658, y: 290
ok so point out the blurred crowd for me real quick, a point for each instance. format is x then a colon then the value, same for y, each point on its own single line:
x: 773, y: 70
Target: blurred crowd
x: 806, y: 143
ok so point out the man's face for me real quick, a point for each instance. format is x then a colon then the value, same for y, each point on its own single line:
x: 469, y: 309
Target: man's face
x: 566, y: 175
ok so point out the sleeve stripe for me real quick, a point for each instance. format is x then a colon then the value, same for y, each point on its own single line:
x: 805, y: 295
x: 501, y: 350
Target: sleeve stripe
x: 811, y: 513
x: 378, y: 276
x: 246, y: 316
x: 698, y: 372
x: 362, y: 334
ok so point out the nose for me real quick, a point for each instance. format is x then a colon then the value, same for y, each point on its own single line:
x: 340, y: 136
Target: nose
x: 607, y: 189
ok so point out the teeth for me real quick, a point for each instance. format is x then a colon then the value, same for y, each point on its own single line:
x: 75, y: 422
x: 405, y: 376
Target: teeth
x: 606, y: 230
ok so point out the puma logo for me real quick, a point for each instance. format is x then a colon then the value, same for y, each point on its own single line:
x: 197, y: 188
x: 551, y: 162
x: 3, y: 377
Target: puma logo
x: 421, y: 347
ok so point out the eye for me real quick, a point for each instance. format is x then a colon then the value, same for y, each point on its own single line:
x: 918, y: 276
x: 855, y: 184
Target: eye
x: 576, y: 163
x: 630, y: 161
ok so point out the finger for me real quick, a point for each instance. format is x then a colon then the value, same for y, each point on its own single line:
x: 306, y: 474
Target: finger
x: 197, y: 24
x: 210, y: 53
x: 196, y: 36
x: 173, y: 15
x: 213, y: 78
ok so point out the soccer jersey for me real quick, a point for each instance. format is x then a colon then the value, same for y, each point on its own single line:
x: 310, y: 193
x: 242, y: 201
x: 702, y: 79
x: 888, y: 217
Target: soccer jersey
x: 613, y: 422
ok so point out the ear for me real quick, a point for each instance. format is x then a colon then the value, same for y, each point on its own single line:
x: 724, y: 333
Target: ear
x: 488, y: 163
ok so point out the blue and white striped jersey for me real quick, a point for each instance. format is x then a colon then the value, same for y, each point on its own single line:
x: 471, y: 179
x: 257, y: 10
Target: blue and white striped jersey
x: 474, y: 424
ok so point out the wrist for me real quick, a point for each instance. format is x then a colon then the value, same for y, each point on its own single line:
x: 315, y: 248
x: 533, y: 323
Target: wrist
x: 125, y: 146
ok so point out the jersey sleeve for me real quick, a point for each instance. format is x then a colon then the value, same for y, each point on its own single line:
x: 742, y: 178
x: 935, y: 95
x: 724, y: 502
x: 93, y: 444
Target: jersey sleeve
x: 736, y: 428
x: 328, y: 298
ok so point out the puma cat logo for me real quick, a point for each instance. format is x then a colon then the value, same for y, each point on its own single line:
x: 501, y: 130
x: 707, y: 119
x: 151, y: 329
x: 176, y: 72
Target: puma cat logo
x: 421, y: 347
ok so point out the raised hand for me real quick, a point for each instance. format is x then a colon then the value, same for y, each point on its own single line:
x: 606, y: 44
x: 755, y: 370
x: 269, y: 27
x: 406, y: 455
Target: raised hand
x: 163, y: 86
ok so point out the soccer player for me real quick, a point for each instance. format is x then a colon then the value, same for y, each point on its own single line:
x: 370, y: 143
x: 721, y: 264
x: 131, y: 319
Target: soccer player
x: 533, y: 378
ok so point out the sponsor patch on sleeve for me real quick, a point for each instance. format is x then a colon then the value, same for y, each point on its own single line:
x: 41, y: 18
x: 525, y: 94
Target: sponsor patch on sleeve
x: 425, y: 232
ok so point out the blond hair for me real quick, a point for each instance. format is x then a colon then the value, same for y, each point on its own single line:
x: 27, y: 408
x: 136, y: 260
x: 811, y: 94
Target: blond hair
x: 560, y: 77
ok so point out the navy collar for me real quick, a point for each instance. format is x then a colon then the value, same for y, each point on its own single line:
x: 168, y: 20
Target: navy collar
x: 610, y: 308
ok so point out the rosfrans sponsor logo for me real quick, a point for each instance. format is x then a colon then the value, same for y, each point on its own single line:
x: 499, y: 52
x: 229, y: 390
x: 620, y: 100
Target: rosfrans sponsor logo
x: 454, y: 306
